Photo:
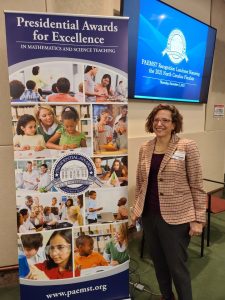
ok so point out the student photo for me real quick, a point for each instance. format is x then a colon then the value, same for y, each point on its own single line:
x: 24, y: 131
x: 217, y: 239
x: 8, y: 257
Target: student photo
x: 26, y: 137
x: 111, y: 171
x: 59, y: 258
x: 116, y: 249
x: 109, y: 129
x: 85, y: 257
x: 69, y: 137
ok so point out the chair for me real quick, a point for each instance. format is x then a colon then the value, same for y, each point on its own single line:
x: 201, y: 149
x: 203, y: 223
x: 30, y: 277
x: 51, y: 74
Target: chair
x: 215, y: 205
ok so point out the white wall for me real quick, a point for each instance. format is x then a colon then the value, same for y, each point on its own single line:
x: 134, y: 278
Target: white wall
x: 199, y: 122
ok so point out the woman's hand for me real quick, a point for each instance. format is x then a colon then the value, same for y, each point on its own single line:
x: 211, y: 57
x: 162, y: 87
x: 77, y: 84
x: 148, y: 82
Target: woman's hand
x: 133, y: 219
x: 36, y: 274
x: 195, y: 228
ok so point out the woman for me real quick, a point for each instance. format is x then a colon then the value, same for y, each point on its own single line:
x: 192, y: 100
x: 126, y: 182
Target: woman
x: 46, y: 120
x: 170, y: 198
x: 103, y: 133
x: 74, y: 216
x: 118, y: 169
x: 89, y: 83
x: 64, y: 209
x: 104, y: 89
x: 20, y: 223
x: 98, y: 166
x: 80, y: 203
x: 115, y: 251
x: 58, y: 264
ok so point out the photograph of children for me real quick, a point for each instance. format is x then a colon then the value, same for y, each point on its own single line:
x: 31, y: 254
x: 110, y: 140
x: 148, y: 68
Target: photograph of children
x: 100, y: 247
x: 112, y: 171
x: 103, y: 206
x: 110, y: 129
x: 104, y: 85
x: 33, y: 175
x: 57, y: 82
x: 49, y: 131
x: 37, y: 212
x: 115, y: 251
x: 47, y: 255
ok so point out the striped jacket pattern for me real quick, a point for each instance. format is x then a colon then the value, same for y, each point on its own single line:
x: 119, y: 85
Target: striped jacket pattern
x: 180, y: 185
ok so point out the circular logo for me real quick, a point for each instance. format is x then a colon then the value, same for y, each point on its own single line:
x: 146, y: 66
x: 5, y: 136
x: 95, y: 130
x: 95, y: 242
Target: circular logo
x: 176, y: 47
x: 73, y: 174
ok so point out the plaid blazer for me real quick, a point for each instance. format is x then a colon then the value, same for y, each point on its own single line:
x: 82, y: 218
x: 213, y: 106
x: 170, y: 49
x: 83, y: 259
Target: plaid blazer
x: 180, y: 185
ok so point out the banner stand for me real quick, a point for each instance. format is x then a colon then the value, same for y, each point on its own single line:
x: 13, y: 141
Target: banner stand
x: 68, y: 92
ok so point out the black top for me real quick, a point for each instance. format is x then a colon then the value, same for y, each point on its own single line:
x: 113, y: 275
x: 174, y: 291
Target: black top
x: 152, y: 195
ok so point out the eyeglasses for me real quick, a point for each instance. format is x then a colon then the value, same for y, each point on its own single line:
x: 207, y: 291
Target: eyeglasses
x: 60, y: 248
x: 162, y: 121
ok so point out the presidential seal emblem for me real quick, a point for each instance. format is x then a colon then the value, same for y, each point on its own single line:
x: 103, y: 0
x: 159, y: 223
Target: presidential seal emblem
x: 176, y: 47
x: 73, y: 174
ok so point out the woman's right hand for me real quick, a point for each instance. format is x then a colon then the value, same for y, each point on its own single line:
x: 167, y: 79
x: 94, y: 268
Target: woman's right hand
x: 133, y: 219
x: 36, y: 274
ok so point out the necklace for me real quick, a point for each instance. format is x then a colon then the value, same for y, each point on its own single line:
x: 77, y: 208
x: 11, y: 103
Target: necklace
x: 160, y: 149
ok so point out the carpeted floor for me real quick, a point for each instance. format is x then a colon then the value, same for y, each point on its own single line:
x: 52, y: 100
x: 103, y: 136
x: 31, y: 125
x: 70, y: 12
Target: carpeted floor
x: 208, y: 273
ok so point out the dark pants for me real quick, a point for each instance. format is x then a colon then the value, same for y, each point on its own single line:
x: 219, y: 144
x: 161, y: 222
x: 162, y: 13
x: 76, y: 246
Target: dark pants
x: 168, y: 249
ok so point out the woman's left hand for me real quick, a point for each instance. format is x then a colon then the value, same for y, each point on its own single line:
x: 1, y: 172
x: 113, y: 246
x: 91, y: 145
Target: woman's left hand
x: 195, y: 228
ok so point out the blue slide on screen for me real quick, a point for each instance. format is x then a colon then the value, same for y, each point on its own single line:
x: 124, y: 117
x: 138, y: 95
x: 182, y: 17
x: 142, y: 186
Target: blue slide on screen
x: 170, y: 54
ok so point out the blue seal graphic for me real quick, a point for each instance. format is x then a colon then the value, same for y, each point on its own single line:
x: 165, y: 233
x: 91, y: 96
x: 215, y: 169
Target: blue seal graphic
x: 73, y: 174
x: 176, y: 47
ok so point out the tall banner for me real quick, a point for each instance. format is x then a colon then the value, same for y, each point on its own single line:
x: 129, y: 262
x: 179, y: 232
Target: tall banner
x: 68, y: 94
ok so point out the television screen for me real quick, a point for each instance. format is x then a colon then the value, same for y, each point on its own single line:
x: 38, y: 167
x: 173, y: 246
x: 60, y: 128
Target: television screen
x: 170, y: 53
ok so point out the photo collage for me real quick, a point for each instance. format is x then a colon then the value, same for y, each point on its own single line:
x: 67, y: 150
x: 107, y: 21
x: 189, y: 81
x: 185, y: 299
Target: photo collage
x: 63, y: 108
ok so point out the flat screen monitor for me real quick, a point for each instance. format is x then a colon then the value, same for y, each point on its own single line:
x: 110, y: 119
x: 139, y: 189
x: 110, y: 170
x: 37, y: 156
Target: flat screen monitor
x: 170, y: 53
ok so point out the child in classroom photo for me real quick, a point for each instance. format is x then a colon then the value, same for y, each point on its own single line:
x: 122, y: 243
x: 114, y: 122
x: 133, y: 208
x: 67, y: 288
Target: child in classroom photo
x: 68, y: 136
x: 85, y: 257
x: 33, y: 248
x: 26, y: 137
x: 31, y: 93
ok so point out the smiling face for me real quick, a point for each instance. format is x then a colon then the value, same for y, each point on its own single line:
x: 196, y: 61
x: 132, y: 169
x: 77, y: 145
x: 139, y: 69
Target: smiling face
x: 162, y: 124
x: 46, y: 117
x: 105, y: 82
x: 104, y: 118
x: 43, y: 169
x: 59, y: 250
x: 29, y: 128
